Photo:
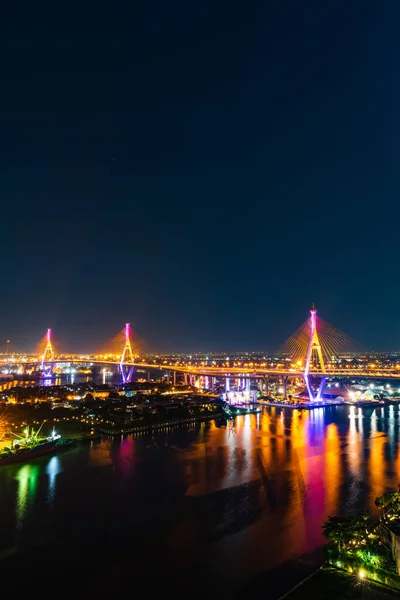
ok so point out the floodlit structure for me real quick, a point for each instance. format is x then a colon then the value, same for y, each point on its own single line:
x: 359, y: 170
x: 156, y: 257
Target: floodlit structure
x: 126, y: 363
x: 48, y: 356
x: 313, y: 353
x: 316, y: 344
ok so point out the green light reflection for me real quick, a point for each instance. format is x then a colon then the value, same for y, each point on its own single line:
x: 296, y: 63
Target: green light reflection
x: 27, y: 477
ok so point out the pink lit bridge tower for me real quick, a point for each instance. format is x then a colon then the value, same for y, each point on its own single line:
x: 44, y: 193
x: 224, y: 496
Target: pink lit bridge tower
x: 48, y: 357
x: 314, y: 349
x: 314, y: 358
x: 126, y: 363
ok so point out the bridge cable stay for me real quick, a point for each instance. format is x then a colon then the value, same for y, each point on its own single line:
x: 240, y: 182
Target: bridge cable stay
x: 333, y: 343
x: 114, y: 346
x: 121, y: 350
x: 314, y: 346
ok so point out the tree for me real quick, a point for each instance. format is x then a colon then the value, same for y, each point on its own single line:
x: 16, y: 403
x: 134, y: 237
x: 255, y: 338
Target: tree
x: 389, y: 501
x: 369, y: 559
x: 341, y: 531
x: 336, y: 531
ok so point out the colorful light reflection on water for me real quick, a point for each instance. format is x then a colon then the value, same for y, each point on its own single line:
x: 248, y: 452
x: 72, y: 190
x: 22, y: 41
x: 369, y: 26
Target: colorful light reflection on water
x: 251, y: 493
x: 27, y: 477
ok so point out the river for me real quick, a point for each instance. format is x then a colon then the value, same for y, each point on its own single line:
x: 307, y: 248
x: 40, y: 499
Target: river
x: 221, y: 509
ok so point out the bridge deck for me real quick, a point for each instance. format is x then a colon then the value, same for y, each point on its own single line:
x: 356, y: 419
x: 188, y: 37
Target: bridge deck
x: 250, y: 372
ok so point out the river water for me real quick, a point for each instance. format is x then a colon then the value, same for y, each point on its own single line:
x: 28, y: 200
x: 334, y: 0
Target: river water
x: 221, y: 508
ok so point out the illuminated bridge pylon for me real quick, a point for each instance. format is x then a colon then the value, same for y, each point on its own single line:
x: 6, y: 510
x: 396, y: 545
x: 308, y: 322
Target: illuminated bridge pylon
x: 48, y: 356
x: 315, y: 349
x: 314, y: 357
x: 126, y: 364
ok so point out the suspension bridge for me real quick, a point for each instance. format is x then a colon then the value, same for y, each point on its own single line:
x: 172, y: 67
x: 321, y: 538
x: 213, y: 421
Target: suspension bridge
x: 312, y: 353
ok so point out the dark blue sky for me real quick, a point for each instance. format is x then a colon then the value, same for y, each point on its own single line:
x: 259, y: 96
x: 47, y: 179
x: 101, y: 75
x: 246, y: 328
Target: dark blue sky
x: 203, y: 170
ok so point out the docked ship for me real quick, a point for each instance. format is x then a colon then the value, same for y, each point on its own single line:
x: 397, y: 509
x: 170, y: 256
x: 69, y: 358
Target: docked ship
x: 28, y: 446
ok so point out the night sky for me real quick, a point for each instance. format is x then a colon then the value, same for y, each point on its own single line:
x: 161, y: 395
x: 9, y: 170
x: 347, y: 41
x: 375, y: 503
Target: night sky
x: 204, y: 170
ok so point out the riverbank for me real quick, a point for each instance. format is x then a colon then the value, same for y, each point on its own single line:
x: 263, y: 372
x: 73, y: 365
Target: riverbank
x: 331, y: 584
x: 163, y: 425
x: 144, y: 412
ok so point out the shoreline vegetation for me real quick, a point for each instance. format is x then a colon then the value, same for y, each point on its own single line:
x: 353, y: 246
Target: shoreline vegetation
x: 364, y: 545
x: 360, y: 559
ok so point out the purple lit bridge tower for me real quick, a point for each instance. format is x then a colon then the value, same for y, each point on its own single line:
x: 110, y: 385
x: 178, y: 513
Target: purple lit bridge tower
x: 126, y: 363
x: 314, y: 358
x: 315, y: 349
x: 47, y: 357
